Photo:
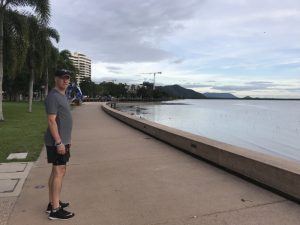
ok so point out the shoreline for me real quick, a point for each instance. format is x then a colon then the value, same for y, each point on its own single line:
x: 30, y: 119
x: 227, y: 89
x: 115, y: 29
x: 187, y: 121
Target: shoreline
x: 279, y: 175
x: 253, y: 126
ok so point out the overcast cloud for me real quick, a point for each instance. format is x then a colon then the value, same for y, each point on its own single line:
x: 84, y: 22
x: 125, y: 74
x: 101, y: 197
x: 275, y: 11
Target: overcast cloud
x: 233, y: 42
x: 121, y: 31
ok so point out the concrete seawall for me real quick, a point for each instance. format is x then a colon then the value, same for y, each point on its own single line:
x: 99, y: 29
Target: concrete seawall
x: 280, y: 175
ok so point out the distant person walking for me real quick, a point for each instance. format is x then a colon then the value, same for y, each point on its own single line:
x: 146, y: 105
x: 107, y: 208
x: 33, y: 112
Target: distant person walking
x: 58, y: 142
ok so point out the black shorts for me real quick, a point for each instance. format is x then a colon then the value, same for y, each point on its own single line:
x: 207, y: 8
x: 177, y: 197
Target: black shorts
x: 55, y: 158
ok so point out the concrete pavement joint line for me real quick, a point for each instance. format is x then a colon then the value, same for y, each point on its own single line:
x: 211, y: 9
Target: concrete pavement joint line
x: 16, y: 175
x: 245, y: 208
x: 12, y: 167
x: 17, y: 180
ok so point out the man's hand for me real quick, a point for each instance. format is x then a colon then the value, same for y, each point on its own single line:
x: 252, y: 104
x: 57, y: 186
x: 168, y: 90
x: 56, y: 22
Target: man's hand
x: 61, y: 149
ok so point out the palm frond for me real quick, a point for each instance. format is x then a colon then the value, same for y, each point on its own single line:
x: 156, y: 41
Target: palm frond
x: 40, y: 7
x: 15, y: 42
x: 53, y: 33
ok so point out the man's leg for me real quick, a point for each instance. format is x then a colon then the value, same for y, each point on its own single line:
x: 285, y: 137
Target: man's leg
x: 55, y: 184
x: 50, y: 186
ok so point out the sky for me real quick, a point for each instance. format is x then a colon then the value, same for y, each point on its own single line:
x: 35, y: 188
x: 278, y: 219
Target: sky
x: 245, y: 47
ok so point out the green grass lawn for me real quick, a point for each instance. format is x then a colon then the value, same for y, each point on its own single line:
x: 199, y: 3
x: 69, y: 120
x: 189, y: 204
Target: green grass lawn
x: 22, y: 131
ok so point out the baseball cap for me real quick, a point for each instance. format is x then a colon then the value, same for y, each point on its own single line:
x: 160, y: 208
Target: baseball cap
x: 62, y: 73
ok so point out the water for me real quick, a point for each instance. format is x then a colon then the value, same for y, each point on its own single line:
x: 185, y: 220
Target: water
x: 271, y: 127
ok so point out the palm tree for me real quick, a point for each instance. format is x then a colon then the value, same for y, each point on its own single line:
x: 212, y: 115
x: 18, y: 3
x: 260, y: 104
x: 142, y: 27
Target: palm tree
x: 65, y: 62
x: 39, y: 36
x: 51, y: 53
x: 42, y: 11
x: 15, y: 43
x: 15, y: 46
x: 52, y: 60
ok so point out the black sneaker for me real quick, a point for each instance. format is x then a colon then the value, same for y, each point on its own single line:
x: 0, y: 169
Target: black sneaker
x: 60, y: 214
x: 61, y: 204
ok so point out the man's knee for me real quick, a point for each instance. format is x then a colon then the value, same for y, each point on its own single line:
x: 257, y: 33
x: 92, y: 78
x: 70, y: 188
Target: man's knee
x: 59, y: 171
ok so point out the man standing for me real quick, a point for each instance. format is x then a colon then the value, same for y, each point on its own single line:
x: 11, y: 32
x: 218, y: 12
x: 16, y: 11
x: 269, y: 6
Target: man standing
x: 58, y: 142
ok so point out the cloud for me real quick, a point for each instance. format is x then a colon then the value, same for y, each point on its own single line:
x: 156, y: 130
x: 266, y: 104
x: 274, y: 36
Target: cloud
x: 260, y: 86
x: 114, y: 69
x: 294, y: 61
x: 259, y: 83
x: 195, y: 85
x: 114, y: 79
x: 121, y: 31
x: 189, y: 41
x: 178, y: 61
x: 248, y: 86
x: 293, y: 90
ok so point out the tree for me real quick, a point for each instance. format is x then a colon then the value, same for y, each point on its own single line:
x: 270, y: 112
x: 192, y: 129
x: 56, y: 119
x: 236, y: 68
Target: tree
x: 65, y: 62
x: 15, y: 41
x: 15, y: 86
x: 42, y: 11
x: 88, y: 87
x: 14, y: 51
x: 51, y: 54
x: 39, y: 36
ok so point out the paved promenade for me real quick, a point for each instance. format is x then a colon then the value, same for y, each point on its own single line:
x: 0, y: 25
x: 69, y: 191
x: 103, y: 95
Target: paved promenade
x: 120, y: 176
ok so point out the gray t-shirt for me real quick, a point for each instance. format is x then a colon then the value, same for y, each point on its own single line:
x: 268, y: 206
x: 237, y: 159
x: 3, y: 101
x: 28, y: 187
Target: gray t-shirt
x: 57, y: 103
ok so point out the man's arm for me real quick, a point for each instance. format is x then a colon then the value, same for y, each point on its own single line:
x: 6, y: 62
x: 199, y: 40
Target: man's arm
x: 55, y: 134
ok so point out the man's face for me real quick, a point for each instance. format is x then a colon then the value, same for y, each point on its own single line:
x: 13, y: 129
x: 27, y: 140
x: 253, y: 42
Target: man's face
x: 62, y: 82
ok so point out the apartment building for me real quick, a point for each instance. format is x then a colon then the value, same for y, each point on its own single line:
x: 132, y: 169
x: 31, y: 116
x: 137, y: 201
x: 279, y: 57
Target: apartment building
x: 83, y: 64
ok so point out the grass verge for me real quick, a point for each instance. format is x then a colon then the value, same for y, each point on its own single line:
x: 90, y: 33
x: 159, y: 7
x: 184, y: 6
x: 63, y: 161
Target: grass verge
x: 22, y: 131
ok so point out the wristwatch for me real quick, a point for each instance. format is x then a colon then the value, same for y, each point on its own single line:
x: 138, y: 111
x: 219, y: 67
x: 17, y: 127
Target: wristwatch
x: 58, y: 144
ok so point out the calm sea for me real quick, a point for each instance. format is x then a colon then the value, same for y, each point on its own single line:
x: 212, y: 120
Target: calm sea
x: 272, y: 127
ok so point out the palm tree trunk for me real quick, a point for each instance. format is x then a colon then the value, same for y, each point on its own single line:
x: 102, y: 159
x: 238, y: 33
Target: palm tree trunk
x: 47, y: 82
x: 30, y: 90
x: 1, y: 63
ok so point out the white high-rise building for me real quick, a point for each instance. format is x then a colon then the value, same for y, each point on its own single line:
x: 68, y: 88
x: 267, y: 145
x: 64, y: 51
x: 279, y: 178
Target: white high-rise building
x: 83, y: 64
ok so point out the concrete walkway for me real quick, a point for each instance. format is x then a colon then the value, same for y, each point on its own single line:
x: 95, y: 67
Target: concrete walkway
x: 120, y: 176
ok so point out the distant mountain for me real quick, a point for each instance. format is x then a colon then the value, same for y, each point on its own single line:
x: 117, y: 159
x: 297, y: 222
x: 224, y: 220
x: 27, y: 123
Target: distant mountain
x: 219, y: 95
x: 180, y: 92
